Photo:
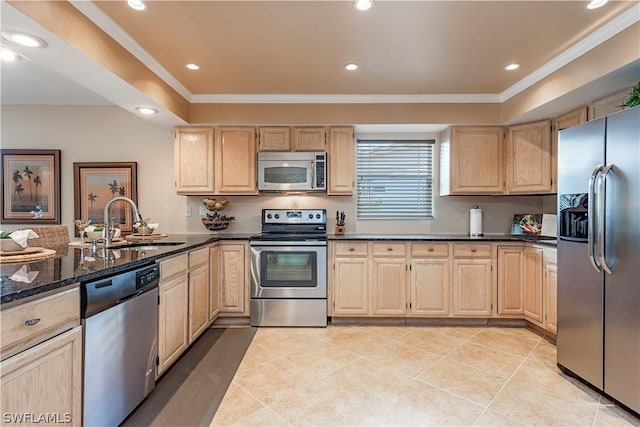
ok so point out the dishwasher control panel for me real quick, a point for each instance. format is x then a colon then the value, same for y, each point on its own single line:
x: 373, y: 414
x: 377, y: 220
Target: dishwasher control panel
x: 102, y: 294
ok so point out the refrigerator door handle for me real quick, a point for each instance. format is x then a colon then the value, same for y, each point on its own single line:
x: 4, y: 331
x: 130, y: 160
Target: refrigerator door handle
x: 602, y: 194
x: 591, y: 213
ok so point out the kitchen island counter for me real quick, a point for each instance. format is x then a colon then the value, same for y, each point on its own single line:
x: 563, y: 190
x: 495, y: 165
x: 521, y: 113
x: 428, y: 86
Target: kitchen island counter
x: 21, y: 282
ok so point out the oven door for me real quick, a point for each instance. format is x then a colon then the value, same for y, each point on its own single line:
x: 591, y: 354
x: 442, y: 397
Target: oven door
x: 288, y: 270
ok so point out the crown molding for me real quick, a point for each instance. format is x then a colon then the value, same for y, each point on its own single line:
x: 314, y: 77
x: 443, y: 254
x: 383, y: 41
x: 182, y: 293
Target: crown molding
x: 344, y: 99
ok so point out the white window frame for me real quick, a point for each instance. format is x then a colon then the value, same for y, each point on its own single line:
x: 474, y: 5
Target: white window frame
x: 395, y: 168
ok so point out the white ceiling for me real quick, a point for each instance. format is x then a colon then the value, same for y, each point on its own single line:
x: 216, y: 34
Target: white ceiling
x: 25, y: 82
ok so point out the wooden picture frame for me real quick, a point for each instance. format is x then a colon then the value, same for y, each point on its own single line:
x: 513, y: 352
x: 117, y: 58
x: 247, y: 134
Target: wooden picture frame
x: 30, y: 186
x: 95, y: 183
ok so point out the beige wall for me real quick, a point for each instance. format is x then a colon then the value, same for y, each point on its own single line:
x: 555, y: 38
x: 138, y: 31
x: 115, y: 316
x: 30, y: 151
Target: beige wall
x: 111, y: 134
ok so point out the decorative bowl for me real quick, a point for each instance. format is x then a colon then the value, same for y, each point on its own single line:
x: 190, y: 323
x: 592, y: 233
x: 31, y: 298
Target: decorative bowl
x: 215, y: 225
x: 9, y: 245
x: 145, y: 230
x: 94, y: 235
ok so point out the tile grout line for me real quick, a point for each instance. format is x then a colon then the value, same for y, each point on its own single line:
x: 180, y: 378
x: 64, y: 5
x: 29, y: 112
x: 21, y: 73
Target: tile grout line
x: 507, y: 382
x: 595, y: 416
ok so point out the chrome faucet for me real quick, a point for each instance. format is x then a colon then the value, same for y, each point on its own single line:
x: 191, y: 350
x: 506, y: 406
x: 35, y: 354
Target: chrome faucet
x: 108, y: 232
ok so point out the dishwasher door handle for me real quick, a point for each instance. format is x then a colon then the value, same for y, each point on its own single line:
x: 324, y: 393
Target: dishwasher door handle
x: 128, y: 297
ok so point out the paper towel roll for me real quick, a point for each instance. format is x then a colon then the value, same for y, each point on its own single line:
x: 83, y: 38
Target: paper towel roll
x: 475, y: 222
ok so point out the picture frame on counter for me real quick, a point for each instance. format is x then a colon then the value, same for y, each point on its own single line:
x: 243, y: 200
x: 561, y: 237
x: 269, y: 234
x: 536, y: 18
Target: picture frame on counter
x: 31, y: 186
x: 96, y: 183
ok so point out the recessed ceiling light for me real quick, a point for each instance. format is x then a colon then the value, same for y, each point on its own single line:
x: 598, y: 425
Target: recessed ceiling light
x: 137, y: 4
x: 24, y: 39
x: 351, y: 67
x: 193, y: 66
x: 594, y: 4
x: 8, y: 55
x: 148, y: 111
x: 512, y: 67
x: 363, y: 4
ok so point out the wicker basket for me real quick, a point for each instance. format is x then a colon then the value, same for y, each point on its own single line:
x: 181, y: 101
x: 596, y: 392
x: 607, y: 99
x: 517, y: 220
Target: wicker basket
x: 215, y: 225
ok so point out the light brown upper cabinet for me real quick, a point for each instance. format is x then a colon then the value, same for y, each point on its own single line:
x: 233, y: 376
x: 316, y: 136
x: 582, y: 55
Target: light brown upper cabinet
x: 565, y: 121
x: 235, y: 161
x: 309, y: 139
x: 528, y: 159
x: 472, y: 161
x: 341, y: 173
x: 274, y: 139
x: 193, y: 160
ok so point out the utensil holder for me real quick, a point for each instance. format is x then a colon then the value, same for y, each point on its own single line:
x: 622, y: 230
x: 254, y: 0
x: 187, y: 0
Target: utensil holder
x: 340, y: 229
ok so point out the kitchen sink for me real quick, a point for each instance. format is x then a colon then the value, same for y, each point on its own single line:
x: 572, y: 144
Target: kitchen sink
x: 146, y: 246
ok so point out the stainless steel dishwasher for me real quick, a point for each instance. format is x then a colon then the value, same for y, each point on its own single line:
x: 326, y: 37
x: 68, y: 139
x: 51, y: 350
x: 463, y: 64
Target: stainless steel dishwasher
x: 120, y: 318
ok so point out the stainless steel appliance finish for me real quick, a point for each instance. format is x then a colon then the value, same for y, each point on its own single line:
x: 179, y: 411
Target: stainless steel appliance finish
x: 297, y: 171
x: 120, y: 317
x: 598, y: 270
x: 289, y: 269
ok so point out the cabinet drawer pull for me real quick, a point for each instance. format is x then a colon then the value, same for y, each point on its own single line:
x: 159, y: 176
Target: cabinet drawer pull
x: 473, y: 251
x: 31, y: 322
x: 389, y: 249
x: 352, y: 249
x: 430, y: 249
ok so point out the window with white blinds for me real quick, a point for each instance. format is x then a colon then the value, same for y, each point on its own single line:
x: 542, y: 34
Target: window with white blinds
x: 395, y: 179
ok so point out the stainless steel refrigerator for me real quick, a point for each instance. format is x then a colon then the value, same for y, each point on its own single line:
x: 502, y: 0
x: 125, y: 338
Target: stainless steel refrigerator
x: 599, y: 254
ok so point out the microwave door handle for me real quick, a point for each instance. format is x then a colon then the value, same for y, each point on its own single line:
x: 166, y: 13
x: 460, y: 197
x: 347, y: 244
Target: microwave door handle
x: 313, y: 174
x: 592, y: 217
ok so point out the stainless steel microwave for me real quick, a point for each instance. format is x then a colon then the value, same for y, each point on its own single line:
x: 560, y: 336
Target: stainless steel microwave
x: 296, y: 171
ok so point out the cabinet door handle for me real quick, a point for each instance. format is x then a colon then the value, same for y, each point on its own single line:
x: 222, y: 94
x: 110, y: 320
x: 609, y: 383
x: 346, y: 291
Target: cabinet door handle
x: 31, y: 322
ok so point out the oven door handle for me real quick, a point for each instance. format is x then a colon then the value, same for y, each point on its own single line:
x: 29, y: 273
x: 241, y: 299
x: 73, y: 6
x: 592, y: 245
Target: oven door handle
x: 287, y: 243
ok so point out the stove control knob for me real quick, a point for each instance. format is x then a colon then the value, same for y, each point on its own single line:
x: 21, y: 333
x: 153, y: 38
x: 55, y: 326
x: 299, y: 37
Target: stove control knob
x: 269, y: 216
x: 318, y: 216
x: 277, y: 216
x: 310, y: 216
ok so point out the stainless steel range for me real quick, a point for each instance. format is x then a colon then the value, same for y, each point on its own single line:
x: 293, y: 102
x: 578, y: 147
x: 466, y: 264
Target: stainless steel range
x: 289, y: 269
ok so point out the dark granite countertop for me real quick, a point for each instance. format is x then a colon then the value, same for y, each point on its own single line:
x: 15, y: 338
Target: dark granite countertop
x: 543, y: 240
x: 65, y: 268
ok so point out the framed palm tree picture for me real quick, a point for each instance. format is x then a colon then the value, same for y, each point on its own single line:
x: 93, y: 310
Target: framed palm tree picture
x: 96, y: 183
x: 30, y: 186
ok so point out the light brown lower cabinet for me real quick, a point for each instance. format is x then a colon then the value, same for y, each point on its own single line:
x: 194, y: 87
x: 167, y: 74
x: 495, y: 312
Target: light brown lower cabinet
x: 550, y: 290
x: 472, y: 287
x: 198, y: 301
x: 473, y: 279
x: 532, y: 277
x: 510, y: 283
x: 173, y: 320
x: 430, y: 280
x: 44, y: 381
x: 214, y: 282
x: 444, y: 279
x: 173, y: 314
x: 429, y: 294
x: 389, y: 284
x: 234, y: 264
x: 351, y: 296
x: 198, y: 292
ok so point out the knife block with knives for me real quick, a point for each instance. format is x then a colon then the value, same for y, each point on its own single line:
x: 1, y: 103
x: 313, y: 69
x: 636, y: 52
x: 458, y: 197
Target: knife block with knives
x: 340, y: 224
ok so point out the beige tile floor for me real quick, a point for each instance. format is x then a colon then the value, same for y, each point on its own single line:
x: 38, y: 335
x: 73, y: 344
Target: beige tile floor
x: 401, y: 375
